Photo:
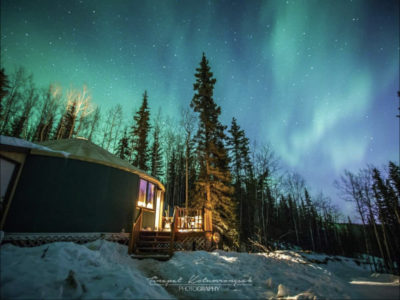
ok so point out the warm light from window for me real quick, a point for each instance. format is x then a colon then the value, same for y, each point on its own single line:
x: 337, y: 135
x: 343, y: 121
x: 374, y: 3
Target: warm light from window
x: 158, y: 209
x: 141, y: 203
x: 146, y: 194
x: 142, y: 193
x: 150, y: 195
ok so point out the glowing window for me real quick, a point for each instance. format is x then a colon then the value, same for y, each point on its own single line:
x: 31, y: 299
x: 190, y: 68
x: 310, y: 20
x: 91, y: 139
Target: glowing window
x: 142, y: 193
x: 146, y: 194
x: 150, y: 195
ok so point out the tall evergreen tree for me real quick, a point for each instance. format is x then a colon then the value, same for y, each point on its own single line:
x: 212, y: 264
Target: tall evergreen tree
x: 4, y: 86
x: 156, y: 155
x: 123, y: 150
x: 213, y: 186
x: 239, y: 149
x: 394, y: 173
x: 140, y: 131
x: 310, y: 217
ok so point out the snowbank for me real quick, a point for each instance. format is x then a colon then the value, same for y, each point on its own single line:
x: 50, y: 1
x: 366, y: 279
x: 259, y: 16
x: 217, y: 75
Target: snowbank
x: 98, y: 270
x: 16, y: 142
x: 103, y: 270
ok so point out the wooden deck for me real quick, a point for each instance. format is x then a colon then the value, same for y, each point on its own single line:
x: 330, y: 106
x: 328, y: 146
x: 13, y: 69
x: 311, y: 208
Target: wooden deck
x: 188, y: 229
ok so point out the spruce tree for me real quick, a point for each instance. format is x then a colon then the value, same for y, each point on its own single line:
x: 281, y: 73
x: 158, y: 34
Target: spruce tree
x: 239, y: 148
x: 213, y: 186
x: 4, y: 86
x: 310, y: 216
x: 156, y: 156
x: 123, y: 151
x: 140, y: 131
x: 18, y: 126
x: 238, y: 145
x: 394, y: 175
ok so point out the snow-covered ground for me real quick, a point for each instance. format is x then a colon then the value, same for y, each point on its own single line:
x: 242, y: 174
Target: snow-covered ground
x: 103, y: 270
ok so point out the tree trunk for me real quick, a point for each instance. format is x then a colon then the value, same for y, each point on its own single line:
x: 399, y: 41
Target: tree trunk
x: 389, y: 257
x: 187, y: 173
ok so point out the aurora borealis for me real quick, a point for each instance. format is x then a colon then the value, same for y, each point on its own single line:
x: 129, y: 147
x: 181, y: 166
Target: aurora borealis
x: 315, y: 79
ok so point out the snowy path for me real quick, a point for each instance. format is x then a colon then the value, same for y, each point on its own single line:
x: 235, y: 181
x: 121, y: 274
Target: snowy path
x: 103, y: 270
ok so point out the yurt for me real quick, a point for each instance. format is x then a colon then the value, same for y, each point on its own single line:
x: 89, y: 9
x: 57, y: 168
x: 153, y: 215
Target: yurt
x: 72, y: 187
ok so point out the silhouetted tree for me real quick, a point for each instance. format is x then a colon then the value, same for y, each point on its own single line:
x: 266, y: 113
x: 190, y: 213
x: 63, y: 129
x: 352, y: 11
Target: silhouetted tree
x: 4, y: 86
x: 239, y: 148
x: 123, y: 150
x: 213, y: 186
x: 11, y: 104
x: 139, y: 133
x: 94, y: 123
x: 156, y: 155
x: 47, y: 113
x: 112, y: 127
x: 29, y: 98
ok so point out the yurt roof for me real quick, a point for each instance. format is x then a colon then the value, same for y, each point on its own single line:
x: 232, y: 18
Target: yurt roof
x: 79, y: 149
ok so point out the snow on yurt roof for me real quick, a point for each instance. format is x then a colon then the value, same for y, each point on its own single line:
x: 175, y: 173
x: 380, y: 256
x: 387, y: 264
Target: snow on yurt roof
x: 20, y: 143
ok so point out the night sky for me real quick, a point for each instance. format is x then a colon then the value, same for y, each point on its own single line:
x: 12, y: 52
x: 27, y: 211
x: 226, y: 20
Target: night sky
x: 315, y: 79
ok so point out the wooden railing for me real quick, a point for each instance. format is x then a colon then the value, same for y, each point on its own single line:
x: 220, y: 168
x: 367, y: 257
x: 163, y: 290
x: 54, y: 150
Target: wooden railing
x: 137, y: 225
x: 189, y: 218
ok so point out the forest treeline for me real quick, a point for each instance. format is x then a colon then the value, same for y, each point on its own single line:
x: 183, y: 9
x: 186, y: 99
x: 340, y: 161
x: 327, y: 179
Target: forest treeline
x: 203, y: 163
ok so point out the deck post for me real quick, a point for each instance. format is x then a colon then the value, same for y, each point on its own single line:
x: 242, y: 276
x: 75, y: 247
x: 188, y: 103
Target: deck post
x: 204, y: 218
x: 137, y: 225
x: 173, y: 229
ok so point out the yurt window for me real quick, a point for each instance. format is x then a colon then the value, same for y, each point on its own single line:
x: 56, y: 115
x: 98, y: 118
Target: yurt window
x: 146, y: 194
x: 150, y: 196
x: 142, y: 193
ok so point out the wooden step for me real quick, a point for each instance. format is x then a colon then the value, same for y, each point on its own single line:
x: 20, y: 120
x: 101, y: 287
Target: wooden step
x: 162, y: 257
x: 152, y: 249
x: 152, y: 242
x: 155, y: 233
x: 153, y: 246
x: 148, y: 242
x: 161, y: 240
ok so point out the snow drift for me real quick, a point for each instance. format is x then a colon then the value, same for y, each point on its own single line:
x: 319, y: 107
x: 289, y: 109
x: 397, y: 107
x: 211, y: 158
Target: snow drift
x: 103, y: 270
